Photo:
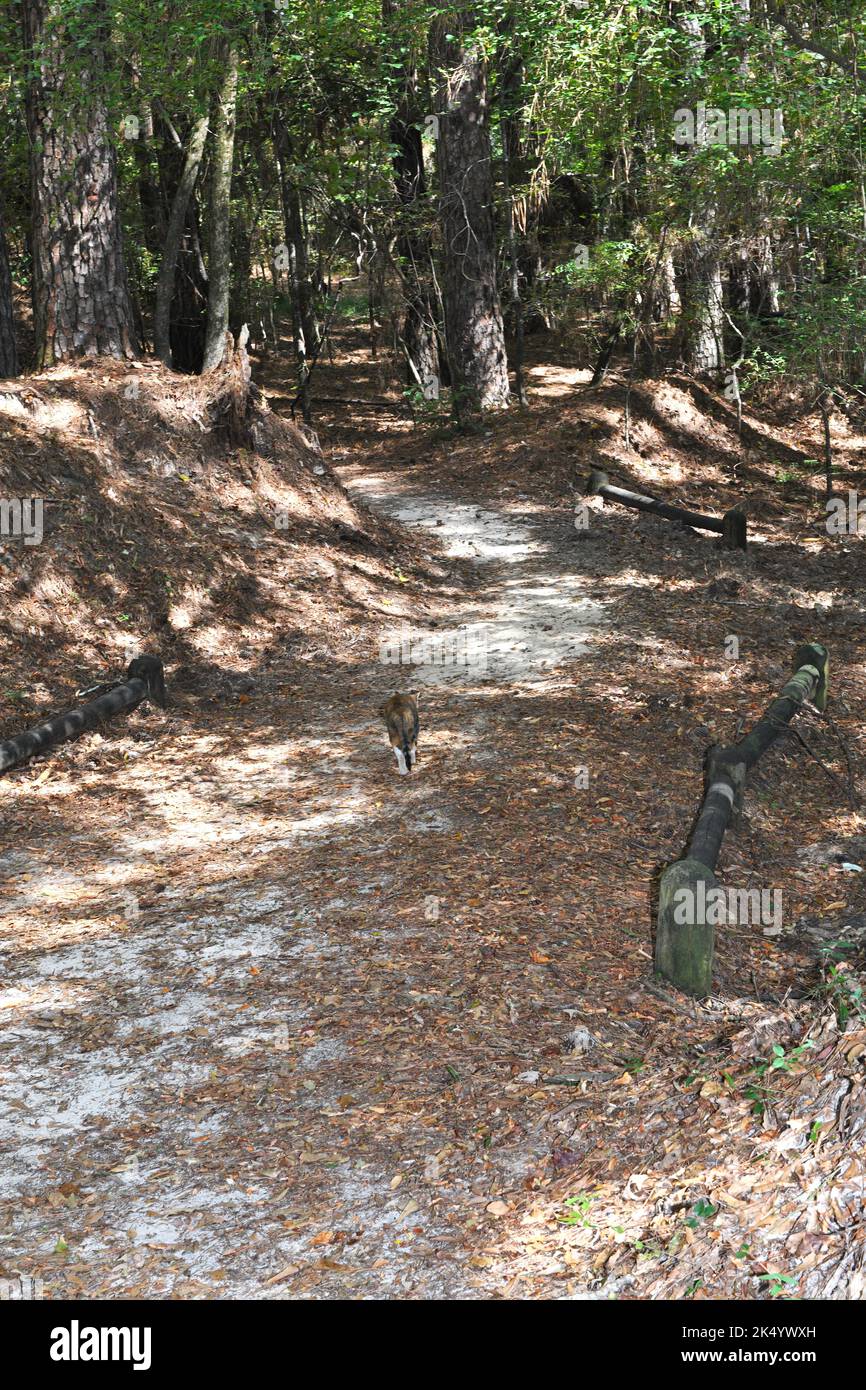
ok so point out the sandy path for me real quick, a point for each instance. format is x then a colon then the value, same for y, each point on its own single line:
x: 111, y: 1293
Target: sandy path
x: 532, y: 616
x: 210, y: 1073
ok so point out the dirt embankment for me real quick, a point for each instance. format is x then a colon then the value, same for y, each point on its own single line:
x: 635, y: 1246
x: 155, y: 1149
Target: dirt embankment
x: 152, y: 533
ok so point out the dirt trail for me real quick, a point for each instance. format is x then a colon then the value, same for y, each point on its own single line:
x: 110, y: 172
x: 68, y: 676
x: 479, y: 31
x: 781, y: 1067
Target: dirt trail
x: 532, y: 615
x: 280, y: 1023
x: 262, y: 1042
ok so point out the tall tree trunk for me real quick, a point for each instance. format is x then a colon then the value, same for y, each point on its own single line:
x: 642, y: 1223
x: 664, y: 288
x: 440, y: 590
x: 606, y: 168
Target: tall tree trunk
x: 765, y: 281
x: 81, y: 297
x: 754, y: 280
x: 150, y: 198
x: 189, y: 307
x: 8, y: 350
x: 700, y: 288
x: 511, y: 81
x: 306, y: 331
x: 473, y: 315
x: 413, y: 247
x: 666, y: 298
x: 240, y: 300
x: 413, y: 252
x: 219, y: 240
x: 700, y: 281
x: 173, y: 239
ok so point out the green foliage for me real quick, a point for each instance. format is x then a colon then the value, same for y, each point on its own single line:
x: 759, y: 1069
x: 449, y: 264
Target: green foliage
x: 782, y: 1060
x: 701, y: 1211
x: 845, y: 992
x: 595, y: 162
x: 578, y: 1210
x: 779, y: 1284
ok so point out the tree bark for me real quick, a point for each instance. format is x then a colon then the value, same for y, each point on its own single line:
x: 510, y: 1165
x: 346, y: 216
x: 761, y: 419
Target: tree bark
x: 473, y: 314
x: 219, y: 240
x: 173, y: 240
x: 511, y: 80
x: 413, y: 251
x: 700, y: 290
x: 306, y: 330
x: 700, y: 280
x: 81, y: 299
x: 8, y: 350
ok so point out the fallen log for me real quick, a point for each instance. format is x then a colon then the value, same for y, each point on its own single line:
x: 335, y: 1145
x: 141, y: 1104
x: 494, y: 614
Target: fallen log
x: 144, y: 680
x: 731, y: 527
x: 684, y: 949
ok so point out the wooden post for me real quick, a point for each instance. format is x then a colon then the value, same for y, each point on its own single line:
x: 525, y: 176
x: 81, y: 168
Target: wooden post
x: 731, y: 527
x: 684, y: 939
x: 734, y: 527
x: 144, y: 680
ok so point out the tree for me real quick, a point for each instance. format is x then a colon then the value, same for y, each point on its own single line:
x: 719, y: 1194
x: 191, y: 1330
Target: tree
x: 219, y: 241
x: 165, y: 286
x: 700, y: 279
x: 8, y: 351
x: 81, y: 297
x: 305, y: 324
x: 413, y: 249
x: 474, y: 331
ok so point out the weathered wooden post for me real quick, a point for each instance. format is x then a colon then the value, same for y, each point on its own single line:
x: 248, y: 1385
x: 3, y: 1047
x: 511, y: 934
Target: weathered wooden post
x: 732, y: 527
x: 144, y: 680
x: 684, y: 949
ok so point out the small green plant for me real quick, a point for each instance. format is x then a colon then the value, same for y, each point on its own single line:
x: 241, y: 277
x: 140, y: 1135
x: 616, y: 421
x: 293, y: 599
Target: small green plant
x: 845, y: 995
x: 648, y: 1250
x: 759, y: 1098
x: 423, y: 407
x: 693, y: 1287
x: 633, y: 1065
x: 578, y: 1210
x: 779, y: 1284
x: 758, y: 1092
x: 703, y: 1211
x: 782, y: 1060
x: 743, y: 1251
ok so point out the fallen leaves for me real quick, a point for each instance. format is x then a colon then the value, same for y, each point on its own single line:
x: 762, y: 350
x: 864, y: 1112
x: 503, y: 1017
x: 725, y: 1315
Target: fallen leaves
x: 497, y: 1208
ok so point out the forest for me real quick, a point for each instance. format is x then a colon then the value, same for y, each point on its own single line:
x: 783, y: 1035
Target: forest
x: 432, y: 671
